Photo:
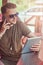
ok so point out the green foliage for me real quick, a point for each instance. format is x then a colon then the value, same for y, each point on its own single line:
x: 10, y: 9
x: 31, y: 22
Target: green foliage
x: 0, y: 5
x: 21, y: 4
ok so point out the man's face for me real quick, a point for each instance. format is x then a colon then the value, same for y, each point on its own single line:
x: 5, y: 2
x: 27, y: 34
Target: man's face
x: 11, y: 15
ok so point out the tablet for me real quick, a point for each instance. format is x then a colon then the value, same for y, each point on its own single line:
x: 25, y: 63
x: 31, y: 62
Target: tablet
x: 29, y: 43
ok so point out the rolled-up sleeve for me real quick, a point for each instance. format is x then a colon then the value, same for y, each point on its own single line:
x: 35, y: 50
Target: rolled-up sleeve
x: 25, y: 30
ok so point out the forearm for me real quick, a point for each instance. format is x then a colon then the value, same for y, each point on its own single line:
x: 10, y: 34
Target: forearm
x: 31, y: 35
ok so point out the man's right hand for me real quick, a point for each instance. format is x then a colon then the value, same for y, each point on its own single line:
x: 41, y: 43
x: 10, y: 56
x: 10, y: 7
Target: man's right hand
x: 5, y: 26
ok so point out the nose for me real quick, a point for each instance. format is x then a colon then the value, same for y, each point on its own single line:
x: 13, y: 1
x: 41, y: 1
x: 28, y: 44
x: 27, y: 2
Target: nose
x: 14, y: 17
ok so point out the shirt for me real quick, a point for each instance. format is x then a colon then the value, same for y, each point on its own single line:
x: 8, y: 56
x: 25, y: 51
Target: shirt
x: 12, y: 39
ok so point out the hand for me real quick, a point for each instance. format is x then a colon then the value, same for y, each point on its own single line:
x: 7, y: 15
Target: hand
x: 24, y: 39
x: 35, y: 47
x: 6, y: 25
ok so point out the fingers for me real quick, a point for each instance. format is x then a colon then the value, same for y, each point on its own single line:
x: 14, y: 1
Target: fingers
x: 35, y: 47
x: 4, y: 22
x: 24, y: 39
x: 7, y: 25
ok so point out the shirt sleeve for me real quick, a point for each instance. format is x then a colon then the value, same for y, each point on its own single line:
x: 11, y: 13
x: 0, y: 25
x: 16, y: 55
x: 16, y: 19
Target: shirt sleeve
x: 25, y: 30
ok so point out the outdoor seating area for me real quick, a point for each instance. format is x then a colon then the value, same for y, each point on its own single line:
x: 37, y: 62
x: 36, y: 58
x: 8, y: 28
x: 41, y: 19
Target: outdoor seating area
x: 31, y: 15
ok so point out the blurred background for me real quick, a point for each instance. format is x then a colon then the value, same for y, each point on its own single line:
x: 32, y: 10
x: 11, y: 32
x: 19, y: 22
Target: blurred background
x: 30, y: 12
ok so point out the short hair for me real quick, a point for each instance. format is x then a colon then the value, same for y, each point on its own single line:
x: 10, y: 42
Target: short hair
x: 7, y: 5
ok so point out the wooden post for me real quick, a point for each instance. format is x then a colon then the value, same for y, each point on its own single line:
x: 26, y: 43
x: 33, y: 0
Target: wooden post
x: 4, y: 2
x: 38, y: 25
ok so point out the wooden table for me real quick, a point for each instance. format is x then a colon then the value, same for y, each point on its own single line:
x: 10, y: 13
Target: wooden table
x: 31, y: 58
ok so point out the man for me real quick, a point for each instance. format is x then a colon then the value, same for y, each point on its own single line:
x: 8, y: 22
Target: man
x: 11, y: 32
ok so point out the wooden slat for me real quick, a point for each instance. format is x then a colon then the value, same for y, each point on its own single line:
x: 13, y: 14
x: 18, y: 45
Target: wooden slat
x: 29, y: 19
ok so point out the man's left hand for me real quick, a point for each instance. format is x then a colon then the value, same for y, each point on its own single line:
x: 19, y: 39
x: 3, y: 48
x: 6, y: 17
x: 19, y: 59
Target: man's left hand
x: 35, y: 47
